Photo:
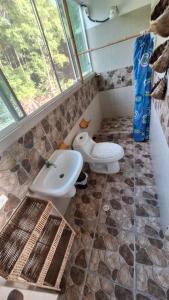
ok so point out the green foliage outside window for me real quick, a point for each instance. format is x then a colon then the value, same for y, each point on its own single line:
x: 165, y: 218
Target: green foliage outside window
x: 24, y: 58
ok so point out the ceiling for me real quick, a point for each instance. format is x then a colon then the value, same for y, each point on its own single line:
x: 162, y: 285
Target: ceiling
x: 124, y: 6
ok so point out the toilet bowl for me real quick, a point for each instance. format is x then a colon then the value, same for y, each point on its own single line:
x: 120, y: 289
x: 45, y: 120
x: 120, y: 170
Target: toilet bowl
x: 102, y: 157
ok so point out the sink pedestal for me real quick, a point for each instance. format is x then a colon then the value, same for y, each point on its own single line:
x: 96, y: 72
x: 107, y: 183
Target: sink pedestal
x: 71, y: 193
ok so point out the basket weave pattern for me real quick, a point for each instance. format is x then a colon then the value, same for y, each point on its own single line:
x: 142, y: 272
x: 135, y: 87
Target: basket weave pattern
x: 35, y: 244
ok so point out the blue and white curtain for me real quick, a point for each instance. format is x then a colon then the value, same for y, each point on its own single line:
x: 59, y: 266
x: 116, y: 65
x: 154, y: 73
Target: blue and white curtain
x: 142, y: 84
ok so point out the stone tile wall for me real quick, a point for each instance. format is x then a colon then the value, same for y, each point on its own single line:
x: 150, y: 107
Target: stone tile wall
x: 21, y: 162
x: 116, y: 79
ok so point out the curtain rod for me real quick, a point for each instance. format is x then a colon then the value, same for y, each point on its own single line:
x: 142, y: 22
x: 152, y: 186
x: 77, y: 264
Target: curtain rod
x: 126, y: 38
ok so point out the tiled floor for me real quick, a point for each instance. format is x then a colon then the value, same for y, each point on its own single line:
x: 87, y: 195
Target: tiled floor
x: 120, y: 254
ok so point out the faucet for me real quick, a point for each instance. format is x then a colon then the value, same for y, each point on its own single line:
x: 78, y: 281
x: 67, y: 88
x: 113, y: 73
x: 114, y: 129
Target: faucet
x: 49, y: 164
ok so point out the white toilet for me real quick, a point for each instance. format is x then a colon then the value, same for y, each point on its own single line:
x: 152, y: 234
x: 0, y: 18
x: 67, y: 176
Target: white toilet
x: 102, y: 157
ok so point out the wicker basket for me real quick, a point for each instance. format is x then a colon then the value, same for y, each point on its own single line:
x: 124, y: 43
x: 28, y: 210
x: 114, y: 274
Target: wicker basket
x: 35, y: 244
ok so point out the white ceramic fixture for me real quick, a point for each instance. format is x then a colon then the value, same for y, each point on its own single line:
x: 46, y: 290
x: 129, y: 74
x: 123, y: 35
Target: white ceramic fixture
x: 102, y: 157
x: 58, y: 176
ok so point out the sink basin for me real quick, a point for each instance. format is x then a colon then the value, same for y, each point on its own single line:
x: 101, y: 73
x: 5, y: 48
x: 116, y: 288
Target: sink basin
x: 58, y: 180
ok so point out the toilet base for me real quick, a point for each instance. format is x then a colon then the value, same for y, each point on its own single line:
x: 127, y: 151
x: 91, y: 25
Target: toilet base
x: 110, y: 168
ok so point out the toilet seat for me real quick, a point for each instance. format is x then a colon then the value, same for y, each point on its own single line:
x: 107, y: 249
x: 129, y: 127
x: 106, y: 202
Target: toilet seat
x: 106, y: 150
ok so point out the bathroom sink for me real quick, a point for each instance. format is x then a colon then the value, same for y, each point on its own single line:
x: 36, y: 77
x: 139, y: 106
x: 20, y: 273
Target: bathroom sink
x: 58, y: 176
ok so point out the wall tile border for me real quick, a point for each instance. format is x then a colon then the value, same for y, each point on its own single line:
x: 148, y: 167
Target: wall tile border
x: 116, y: 79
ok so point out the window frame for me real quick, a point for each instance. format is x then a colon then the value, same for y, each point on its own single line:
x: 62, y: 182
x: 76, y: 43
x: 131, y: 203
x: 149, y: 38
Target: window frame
x: 85, y: 37
x: 15, y: 130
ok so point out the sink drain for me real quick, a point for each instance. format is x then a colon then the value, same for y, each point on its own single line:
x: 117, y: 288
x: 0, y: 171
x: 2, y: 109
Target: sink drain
x: 61, y: 175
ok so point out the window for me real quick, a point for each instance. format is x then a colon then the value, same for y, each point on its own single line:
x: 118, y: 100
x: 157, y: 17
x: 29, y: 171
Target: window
x: 24, y: 57
x: 36, y: 57
x: 50, y: 19
x: 80, y: 36
x: 10, y: 109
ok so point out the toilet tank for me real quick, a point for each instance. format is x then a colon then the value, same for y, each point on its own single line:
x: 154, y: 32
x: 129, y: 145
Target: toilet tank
x: 83, y: 143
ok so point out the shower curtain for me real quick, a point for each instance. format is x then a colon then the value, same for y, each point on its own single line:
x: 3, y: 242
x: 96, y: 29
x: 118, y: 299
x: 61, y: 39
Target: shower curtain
x: 142, y: 85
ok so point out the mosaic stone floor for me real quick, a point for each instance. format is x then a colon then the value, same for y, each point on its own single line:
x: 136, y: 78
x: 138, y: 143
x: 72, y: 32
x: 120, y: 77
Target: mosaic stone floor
x: 120, y: 254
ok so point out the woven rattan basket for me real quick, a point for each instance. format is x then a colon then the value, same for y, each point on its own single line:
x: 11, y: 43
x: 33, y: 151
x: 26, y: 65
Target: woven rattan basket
x: 35, y: 244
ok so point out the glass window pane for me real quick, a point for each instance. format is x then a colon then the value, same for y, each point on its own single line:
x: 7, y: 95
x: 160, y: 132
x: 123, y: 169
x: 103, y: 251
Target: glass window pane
x: 6, y: 117
x: 10, y: 98
x: 10, y: 109
x: 24, y: 58
x: 80, y: 35
x: 67, y: 33
x: 53, y: 29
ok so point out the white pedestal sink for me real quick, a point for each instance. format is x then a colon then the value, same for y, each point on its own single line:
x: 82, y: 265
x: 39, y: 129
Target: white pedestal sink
x: 58, y: 176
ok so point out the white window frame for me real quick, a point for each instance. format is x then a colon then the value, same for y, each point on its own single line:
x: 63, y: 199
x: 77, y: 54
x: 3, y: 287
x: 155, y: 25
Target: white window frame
x: 85, y: 37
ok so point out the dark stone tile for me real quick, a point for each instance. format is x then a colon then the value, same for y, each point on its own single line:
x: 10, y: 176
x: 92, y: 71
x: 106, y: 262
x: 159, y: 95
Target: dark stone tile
x: 15, y: 295
x: 77, y: 275
x: 110, y: 222
x: 114, y: 274
x: 104, y: 270
x: 141, y: 212
x: 99, y: 243
x: 85, y: 199
x: 58, y: 125
x: 156, y: 243
x: 132, y: 247
x: 47, y: 145
x: 26, y: 165
x: 156, y: 290
x: 152, y: 202
x: 150, y: 231
x: 113, y: 231
x: 129, y: 182
x: 128, y: 200
x: 126, y: 253
x: 45, y: 125
x: 115, y: 204
x: 22, y: 176
x: 142, y: 257
x: 28, y: 140
x: 100, y: 295
x: 81, y: 259
x: 122, y: 293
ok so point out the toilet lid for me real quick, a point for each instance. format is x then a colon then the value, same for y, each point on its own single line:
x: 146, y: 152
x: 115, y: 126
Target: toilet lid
x: 107, y: 150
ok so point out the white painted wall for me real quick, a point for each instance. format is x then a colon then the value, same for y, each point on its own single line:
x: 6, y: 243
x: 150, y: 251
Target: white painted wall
x: 153, y: 3
x: 120, y: 55
x: 99, y: 9
x: 117, y: 103
x: 160, y: 156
